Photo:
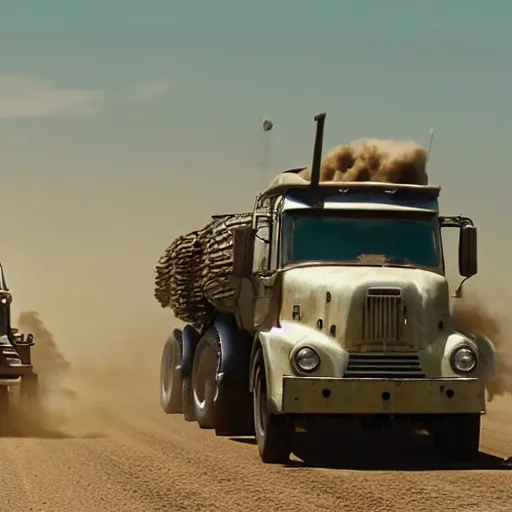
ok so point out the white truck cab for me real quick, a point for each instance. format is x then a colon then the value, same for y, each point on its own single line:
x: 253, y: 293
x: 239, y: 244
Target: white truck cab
x: 344, y: 286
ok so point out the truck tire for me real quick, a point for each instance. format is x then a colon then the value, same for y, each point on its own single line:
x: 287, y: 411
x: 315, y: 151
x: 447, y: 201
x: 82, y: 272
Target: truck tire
x: 204, y: 372
x: 170, y: 377
x: 274, y: 433
x: 459, y: 437
x: 187, y: 399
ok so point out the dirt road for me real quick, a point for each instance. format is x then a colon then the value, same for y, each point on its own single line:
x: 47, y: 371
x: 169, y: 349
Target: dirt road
x: 142, y: 459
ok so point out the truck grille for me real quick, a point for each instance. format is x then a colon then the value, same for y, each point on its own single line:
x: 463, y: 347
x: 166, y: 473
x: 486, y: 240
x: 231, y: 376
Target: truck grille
x: 383, y: 316
x: 382, y: 366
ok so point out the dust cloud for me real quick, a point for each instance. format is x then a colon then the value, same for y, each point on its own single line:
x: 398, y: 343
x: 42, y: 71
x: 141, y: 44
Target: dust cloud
x: 383, y: 160
x: 65, y: 400
x: 471, y: 315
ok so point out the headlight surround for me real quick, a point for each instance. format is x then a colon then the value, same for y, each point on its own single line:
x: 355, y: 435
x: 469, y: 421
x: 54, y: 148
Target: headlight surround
x: 464, y: 359
x: 306, y: 360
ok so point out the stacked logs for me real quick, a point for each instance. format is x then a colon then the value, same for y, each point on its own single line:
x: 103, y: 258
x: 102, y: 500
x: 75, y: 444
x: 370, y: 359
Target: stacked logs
x: 192, y: 278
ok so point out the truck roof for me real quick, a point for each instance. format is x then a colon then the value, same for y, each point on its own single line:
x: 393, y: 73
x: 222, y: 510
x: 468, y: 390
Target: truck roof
x: 326, y: 189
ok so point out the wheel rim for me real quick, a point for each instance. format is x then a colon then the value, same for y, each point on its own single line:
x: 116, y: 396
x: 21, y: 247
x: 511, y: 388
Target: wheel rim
x: 204, y: 375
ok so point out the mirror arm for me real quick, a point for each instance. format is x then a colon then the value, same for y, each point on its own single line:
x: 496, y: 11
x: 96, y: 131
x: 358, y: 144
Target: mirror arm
x: 458, y: 291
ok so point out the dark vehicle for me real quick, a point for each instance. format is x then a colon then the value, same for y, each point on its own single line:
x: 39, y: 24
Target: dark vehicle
x: 15, y: 349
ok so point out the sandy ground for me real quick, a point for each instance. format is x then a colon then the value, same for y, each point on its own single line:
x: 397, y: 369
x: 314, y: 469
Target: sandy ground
x: 125, y: 454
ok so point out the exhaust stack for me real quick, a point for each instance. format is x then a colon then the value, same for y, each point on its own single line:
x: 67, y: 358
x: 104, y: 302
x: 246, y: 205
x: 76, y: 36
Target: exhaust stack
x: 317, y: 151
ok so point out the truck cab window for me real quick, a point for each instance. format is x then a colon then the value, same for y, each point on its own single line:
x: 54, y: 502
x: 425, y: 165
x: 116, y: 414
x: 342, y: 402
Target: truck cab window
x: 330, y: 238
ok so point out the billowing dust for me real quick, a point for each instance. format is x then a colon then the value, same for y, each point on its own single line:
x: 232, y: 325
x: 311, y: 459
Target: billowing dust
x: 68, y: 400
x: 393, y: 161
x: 382, y: 160
x: 471, y: 315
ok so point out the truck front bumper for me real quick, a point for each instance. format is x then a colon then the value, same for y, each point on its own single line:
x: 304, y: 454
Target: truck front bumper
x: 318, y: 395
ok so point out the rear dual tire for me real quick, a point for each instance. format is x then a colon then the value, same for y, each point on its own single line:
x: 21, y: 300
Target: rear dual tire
x: 192, y: 395
x: 175, y: 390
x: 170, y: 377
x: 204, y: 384
x: 195, y: 395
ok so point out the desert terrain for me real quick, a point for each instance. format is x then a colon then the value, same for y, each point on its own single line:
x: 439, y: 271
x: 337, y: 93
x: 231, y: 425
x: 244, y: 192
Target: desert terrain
x: 106, y: 447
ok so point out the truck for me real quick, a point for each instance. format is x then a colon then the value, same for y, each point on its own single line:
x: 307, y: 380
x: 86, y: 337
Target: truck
x: 18, y: 380
x: 342, y: 312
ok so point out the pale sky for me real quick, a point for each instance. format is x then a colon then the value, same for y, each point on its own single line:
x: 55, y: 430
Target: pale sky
x: 126, y: 123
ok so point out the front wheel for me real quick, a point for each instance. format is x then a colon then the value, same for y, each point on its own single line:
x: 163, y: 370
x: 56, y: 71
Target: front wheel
x: 459, y: 437
x: 273, y: 432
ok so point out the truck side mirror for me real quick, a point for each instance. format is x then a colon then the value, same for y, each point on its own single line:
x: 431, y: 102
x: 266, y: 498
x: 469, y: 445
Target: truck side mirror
x: 468, y: 264
x: 243, y: 249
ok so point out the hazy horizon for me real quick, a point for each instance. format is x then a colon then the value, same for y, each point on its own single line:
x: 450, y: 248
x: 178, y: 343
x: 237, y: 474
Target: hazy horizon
x: 125, y: 124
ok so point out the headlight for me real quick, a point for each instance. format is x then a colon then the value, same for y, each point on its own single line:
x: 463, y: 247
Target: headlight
x: 464, y: 359
x: 307, y: 360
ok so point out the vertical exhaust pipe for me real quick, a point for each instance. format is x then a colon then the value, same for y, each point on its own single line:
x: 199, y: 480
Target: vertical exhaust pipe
x: 317, y: 151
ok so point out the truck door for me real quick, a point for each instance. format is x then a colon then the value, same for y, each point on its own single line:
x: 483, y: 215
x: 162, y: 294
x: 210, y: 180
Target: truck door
x: 264, y: 267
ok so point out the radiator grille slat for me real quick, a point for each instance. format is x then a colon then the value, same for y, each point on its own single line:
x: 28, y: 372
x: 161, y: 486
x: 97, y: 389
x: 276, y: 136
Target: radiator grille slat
x: 402, y: 366
x: 383, y: 316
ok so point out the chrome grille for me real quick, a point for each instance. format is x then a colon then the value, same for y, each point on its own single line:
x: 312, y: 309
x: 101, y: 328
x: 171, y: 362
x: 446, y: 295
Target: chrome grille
x: 382, y: 366
x: 383, y: 316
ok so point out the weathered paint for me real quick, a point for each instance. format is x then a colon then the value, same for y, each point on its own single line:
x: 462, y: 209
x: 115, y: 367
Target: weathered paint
x: 425, y: 295
x: 346, y: 396
x: 429, y: 332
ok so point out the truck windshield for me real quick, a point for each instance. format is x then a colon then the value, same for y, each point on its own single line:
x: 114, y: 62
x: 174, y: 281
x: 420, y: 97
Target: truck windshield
x: 310, y: 237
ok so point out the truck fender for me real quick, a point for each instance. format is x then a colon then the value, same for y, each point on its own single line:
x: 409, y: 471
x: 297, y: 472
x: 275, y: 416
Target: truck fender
x: 235, y: 350
x: 189, y: 340
x: 258, y: 347
x: 488, y: 353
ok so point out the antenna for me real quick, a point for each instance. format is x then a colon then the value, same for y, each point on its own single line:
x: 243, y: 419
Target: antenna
x: 432, y: 132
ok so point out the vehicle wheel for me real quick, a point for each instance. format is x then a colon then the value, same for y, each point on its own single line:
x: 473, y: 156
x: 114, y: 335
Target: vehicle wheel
x: 206, y: 360
x: 170, y: 377
x: 273, y: 432
x: 187, y: 399
x: 459, y: 437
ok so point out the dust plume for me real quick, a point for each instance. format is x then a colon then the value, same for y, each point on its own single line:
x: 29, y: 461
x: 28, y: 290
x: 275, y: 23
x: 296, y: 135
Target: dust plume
x: 45, y: 354
x: 470, y: 315
x: 48, y: 406
x: 393, y: 161
x: 382, y: 160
